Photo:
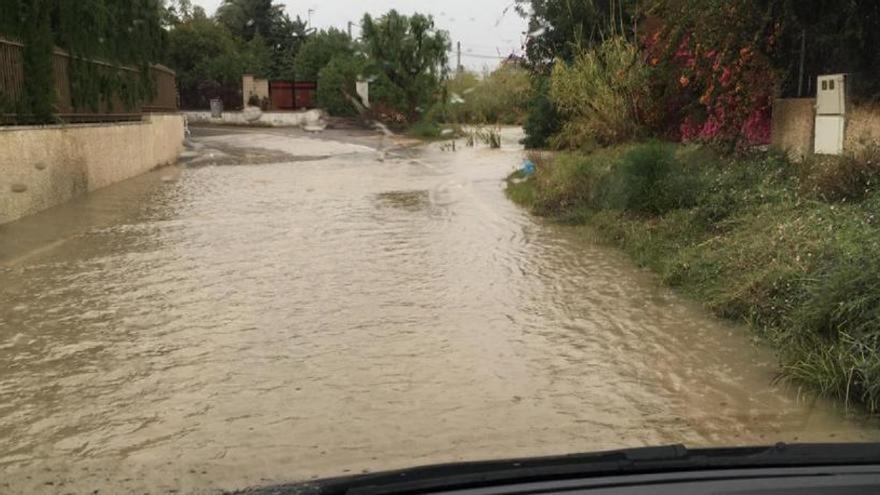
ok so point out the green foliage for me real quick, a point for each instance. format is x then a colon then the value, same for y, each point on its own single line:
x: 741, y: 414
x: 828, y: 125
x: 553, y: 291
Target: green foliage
x: 542, y: 120
x: 319, y: 49
x: 181, y: 11
x: 749, y: 241
x: 562, y: 29
x: 337, y: 79
x: 38, y: 66
x: 569, y: 182
x: 123, y: 33
x: 502, y: 97
x: 840, y: 38
x: 194, y: 45
x: 208, y: 58
x: 650, y: 180
x: 836, y: 332
x: 600, y: 95
x: 336, y: 83
x: 410, y: 53
x: 249, y: 19
x: 520, y: 191
x: 646, y: 179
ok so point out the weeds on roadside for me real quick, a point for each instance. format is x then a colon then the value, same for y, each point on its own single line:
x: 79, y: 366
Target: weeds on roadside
x: 842, y: 178
x: 491, y: 137
x: 791, y: 250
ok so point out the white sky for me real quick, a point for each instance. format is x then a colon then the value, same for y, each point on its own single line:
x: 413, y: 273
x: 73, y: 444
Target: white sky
x: 481, y: 26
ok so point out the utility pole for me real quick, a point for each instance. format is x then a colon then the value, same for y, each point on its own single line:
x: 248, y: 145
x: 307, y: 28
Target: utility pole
x: 349, y: 29
x: 458, y: 65
x: 801, y: 67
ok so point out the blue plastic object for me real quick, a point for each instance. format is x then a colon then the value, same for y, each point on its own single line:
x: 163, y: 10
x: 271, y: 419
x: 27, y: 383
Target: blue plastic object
x: 528, y: 167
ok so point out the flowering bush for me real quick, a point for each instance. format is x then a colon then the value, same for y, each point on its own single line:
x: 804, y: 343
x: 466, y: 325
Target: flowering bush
x: 720, y: 82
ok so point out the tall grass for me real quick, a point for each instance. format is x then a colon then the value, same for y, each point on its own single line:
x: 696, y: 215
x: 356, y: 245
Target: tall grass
x: 756, y: 239
x: 600, y: 94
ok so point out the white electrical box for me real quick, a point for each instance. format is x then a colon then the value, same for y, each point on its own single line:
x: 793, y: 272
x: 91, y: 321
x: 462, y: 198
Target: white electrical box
x: 829, y: 134
x: 831, y: 95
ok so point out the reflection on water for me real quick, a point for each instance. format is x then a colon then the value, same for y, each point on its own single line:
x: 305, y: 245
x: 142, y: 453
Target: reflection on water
x: 226, y: 326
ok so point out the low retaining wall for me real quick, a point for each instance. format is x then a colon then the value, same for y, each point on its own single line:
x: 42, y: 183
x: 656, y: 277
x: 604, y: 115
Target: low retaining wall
x: 44, y: 166
x: 253, y: 117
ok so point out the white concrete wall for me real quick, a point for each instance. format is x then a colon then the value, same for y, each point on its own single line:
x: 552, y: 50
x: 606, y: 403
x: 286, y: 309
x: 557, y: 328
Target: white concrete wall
x: 43, y: 166
x: 252, y: 116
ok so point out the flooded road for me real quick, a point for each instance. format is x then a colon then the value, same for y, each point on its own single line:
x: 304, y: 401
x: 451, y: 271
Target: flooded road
x: 285, y: 307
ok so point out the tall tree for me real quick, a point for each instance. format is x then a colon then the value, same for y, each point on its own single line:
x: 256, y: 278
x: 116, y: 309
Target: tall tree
x: 563, y: 28
x: 248, y: 19
x: 410, y: 52
x: 210, y: 61
x: 180, y: 11
x: 834, y: 36
x: 318, y: 50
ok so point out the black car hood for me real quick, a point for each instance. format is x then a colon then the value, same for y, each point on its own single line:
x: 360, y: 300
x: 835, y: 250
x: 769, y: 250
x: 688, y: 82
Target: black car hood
x: 649, y: 460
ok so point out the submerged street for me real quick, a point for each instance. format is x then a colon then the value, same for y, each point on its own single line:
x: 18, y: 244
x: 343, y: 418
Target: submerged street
x: 284, y: 306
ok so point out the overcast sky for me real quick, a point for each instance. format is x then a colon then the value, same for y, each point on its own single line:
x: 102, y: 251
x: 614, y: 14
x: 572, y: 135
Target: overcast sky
x: 485, y: 31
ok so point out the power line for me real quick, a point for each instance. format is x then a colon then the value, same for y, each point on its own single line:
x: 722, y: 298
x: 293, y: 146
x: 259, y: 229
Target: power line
x: 480, y: 55
x: 478, y: 45
x: 488, y: 57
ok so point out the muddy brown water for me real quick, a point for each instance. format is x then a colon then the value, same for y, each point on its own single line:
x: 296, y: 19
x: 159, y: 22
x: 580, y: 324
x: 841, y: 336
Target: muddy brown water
x: 229, y: 325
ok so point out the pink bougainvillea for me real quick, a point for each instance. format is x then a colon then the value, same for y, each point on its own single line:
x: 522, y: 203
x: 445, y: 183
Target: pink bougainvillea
x: 722, y: 90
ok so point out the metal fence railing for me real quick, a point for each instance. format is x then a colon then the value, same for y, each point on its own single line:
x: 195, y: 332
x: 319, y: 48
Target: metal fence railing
x: 12, y: 89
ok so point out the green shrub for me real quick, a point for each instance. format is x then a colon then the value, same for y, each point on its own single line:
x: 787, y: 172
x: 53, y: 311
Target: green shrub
x: 649, y: 180
x: 569, y: 181
x: 542, y: 120
x: 502, y: 97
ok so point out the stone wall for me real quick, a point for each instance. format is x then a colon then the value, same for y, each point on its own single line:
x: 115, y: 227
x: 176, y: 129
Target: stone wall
x: 793, y: 123
x: 43, y: 166
x: 862, y: 127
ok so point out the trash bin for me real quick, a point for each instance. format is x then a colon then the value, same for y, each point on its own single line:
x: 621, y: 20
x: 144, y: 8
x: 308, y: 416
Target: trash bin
x: 216, y: 108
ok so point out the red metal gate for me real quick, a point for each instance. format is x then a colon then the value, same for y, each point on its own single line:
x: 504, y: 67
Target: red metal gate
x: 286, y: 95
x: 281, y: 95
x: 304, y: 93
